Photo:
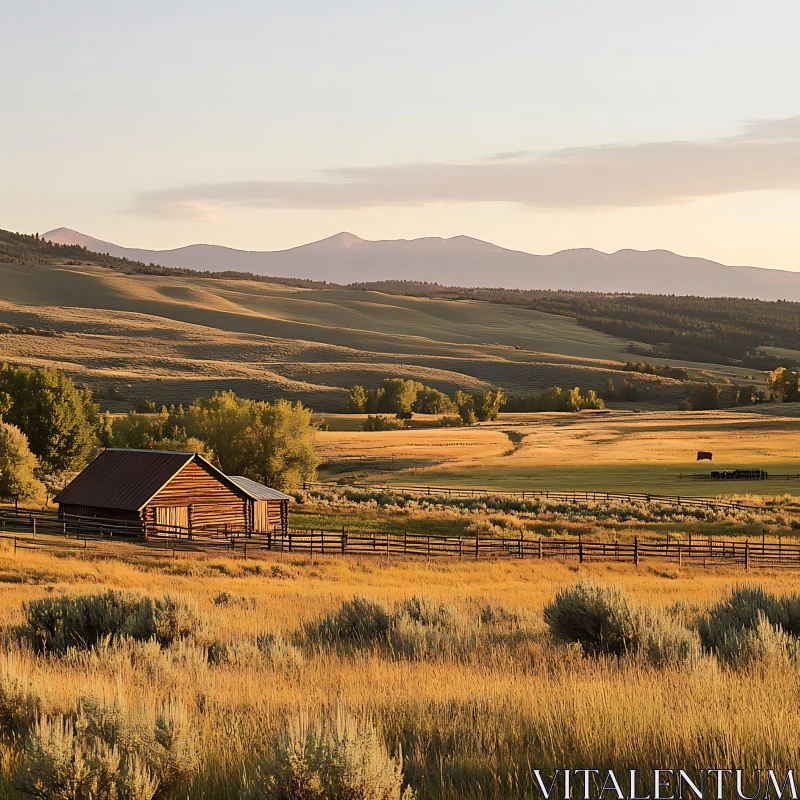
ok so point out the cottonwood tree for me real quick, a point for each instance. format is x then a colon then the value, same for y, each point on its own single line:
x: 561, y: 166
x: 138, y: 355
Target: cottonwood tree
x: 57, y: 417
x: 269, y: 442
x: 784, y: 385
x: 17, y: 465
x: 357, y: 400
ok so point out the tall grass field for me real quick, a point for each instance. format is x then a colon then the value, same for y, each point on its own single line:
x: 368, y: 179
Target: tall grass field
x: 203, y: 678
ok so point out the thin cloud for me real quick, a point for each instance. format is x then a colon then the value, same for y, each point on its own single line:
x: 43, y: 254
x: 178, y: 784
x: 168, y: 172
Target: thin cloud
x: 765, y: 156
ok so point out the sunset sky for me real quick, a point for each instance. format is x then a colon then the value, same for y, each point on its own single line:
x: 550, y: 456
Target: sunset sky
x: 538, y: 126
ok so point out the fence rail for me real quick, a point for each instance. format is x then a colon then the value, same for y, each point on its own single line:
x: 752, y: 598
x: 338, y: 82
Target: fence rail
x: 561, y: 497
x: 30, y: 532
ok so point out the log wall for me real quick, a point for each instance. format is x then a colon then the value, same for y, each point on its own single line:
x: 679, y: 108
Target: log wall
x: 210, y: 502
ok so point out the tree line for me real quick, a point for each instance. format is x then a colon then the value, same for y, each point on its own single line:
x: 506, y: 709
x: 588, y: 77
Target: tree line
x: 50, y: 428
x: 404, y: 398
x: 396, y: 400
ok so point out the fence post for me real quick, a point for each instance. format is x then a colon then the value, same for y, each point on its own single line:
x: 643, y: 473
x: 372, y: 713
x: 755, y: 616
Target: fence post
x: 747, y: 555
x: 344, y: 541
x: 540, y: 547
x: 680, y: 555
x: 33, y: 524
x: 476, y: 545
x: 460, y: 547
x: 636, y: 550
x: 520, y: 545
x: 245, y: 550
x: 580, y: 549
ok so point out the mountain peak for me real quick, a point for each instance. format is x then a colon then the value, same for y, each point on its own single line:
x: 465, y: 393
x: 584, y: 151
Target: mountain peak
x: 343, y: 239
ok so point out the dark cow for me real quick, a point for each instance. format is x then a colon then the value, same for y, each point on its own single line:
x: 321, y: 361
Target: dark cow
x: 703, y: 455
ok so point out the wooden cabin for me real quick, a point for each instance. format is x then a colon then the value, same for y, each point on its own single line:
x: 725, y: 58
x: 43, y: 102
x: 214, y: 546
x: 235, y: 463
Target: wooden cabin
x: 164, y: 490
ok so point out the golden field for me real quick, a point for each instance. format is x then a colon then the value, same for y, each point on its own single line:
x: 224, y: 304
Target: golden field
x: 614, y: 451
x: 470, y: 723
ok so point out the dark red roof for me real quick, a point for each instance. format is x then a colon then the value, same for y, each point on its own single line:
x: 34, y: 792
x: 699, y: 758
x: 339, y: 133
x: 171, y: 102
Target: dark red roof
x: 124, y: 479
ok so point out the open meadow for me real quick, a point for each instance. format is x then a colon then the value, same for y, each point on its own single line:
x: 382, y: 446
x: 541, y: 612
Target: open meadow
x: 612, y: 451
x: 462, y: 682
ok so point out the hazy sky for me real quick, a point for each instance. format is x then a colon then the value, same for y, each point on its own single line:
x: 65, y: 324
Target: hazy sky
x: 535, y: 125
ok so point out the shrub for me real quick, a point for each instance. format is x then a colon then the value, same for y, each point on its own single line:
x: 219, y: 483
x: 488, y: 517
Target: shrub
x: 272, y: 648
x: 343, y: 759
x: 425, y: 611
x: 761, y: 644
x: 666, y: 643
x: 742, y: 609
x: 54, y: 624
x: 57, y: 764
x: 451, y: 422
x: 422, y: 627
x: 602, y: 621
x: 98, y: 752
x: 359, y: 621
x: 415, y: 628
x: 380, y: 422
x: 598, y: 618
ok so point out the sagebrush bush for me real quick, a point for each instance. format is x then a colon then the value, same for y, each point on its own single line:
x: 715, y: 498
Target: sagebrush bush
x: 762, y: 644
x: 599, y: 618
x: 359, y: 622
x: 55, y: 624
x: 58, y: 764
x: 417, y: 627
x: 428, y: 612
x: 742, y: 609
x: 340, y: 759
x: 602, y: 621
x: 665, y: 642
x: 752, y: 625
x: 100, y: 753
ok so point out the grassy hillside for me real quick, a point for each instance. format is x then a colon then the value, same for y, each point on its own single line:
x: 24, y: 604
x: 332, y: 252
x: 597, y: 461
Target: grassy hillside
x: 174, y: 337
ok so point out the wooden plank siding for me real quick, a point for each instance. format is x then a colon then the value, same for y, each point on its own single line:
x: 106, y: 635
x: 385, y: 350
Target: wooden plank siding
x: 207, y: 500
x: 268, y: 515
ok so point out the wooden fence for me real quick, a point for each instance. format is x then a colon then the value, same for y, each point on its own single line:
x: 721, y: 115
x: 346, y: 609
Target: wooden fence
x: 561, y: 497
x: 27, y: 531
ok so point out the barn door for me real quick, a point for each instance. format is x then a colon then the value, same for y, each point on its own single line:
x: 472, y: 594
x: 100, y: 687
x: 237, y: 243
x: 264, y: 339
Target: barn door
x: 172, y: 517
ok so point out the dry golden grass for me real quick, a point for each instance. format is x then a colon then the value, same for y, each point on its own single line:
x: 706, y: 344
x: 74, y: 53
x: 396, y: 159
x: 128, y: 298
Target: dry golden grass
x: 470, y: 725
x: 172, y: 339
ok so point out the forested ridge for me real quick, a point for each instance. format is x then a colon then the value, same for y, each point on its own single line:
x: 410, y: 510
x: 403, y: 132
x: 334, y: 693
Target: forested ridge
x: 722, y: 330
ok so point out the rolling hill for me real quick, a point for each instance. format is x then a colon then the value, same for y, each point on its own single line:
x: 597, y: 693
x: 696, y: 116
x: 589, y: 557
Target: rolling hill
x: 464, y: 261
x: 172, y: 338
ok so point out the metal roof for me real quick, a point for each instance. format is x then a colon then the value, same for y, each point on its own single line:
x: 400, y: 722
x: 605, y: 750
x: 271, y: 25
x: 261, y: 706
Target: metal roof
x: 127, y: 479
x: 257, y: 490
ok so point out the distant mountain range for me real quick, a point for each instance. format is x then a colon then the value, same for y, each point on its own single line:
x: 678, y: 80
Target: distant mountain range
x: 464, y: 261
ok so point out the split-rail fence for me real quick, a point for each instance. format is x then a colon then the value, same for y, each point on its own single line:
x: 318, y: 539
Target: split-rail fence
x: 43, y: 531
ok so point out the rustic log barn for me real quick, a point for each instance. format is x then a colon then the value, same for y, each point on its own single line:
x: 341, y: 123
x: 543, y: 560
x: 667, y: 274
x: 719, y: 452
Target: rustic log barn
x: 162, y: 490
